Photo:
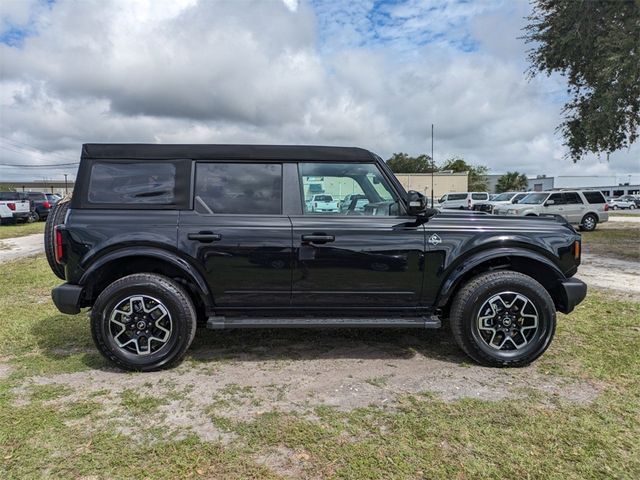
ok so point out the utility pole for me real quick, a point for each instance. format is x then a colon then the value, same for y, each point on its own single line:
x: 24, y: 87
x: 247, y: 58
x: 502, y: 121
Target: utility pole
x: 66, y: 190
x: 433, y: 165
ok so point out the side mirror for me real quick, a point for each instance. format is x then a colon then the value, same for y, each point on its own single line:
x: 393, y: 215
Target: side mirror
x: 549, y: 202
x: 416, y: 202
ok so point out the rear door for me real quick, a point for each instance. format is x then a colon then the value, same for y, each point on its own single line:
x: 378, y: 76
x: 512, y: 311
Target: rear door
x: 574, y: 208
x: 363, y: 257
x: 238, y: 234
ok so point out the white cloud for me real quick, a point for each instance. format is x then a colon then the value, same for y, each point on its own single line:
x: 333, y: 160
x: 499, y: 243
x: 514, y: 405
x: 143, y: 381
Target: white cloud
x: 280, y: 72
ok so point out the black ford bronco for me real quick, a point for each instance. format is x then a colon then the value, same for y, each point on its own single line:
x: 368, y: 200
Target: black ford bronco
x: 160, y: 238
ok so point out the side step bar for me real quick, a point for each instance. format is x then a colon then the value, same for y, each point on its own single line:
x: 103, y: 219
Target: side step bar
x: 219, y: 322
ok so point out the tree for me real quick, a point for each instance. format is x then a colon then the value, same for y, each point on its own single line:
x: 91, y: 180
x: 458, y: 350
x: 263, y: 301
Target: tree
x: 512, y: 182
x: 403, y: 163
x: 477, y: 173
x: 596, y: 45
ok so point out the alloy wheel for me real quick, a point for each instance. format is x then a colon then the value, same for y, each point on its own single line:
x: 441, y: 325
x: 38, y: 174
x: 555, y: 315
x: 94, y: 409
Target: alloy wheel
x: 140, y: 324
x: 507, y: 321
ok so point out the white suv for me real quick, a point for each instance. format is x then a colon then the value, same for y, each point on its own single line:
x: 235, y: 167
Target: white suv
x: 462, y: 200
x: 585, y: 208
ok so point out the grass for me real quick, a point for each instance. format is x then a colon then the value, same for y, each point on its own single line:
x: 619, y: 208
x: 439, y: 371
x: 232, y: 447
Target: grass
x: 47, y: 432
x: 21, y: 229
x: 614, y: 240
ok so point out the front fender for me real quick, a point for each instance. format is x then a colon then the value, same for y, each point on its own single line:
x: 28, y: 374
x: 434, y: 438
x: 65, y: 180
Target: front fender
x: 467, y: 265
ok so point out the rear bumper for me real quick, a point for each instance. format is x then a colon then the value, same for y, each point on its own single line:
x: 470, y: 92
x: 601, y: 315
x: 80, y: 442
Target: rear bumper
x: 21, y: 215
x: 572, y: 292
x: 66, y: 298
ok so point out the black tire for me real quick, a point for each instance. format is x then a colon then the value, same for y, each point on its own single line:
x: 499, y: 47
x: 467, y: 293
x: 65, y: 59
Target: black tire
x: 171, y: 295
x: 56, y: 217
x: 589, y: 222
x: 465, y: 311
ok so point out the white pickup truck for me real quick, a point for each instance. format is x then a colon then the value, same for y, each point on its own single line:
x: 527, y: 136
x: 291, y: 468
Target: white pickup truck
x: 14, y: 206
x: 322, y: 203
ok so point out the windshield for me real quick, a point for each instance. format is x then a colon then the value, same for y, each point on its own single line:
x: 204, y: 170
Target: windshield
x: 503, y: 197
x: 534, y: 199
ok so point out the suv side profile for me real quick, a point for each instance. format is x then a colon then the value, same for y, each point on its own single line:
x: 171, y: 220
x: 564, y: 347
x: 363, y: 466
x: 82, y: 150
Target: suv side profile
x: 158, y: 239
x: 585, y: 208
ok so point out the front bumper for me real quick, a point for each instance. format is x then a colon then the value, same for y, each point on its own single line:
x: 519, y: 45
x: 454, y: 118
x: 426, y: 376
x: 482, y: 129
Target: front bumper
x: 572, y: 292
x: 66, y: 298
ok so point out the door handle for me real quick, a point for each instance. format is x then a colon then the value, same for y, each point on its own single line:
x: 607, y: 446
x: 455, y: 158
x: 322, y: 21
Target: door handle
x: 318, y: 238
x: 204, y: 237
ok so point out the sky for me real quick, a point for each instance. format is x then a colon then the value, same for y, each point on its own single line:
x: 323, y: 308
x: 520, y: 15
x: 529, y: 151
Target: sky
x: 374, y: 74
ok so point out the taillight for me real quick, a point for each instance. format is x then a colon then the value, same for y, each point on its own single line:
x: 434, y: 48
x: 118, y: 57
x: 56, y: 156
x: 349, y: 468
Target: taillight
x: 606, y: 207
x: 58, y: 245
x: 12, y: 206
x: 46, y: 205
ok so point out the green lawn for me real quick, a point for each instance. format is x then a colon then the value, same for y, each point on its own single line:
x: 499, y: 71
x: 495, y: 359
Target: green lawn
x: 615, y: 240
x: 21, y: 229
x: 538, y: 437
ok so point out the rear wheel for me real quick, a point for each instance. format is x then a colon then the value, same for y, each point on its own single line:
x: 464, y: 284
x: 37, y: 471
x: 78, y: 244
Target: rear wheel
x: 56, y: 217
x: 589, y: 222
x: 503, y: 319
x: 143, y: 322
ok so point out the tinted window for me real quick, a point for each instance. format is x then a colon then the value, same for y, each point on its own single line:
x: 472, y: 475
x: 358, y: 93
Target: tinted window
x: 456, y: 196
x: 9, y: 196
x: 557, y: 199
x: 239, y: 188
x: 36, y: 196
x: 479, y: 196
x: 572, y: 198
x: 133, y: 183
x: 367, y: 185
x: 594, y: 197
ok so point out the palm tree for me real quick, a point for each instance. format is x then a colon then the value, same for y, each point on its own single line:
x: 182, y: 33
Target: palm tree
x: 512, y: 182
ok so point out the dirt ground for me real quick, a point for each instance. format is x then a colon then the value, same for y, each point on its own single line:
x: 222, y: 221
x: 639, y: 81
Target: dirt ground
x: 296, y: 371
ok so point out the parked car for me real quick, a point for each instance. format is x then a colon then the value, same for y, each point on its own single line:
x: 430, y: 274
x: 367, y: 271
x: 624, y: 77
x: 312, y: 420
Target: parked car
x: 53, y: 198
x: 632, y: 198
x: 463, y: 200
x: 6, y: 214
x: 42, y: 205
x: 322, y: 204
x: 620, y: 203
x: 353, y: 203
x: 19, y: 205
x: 151, y: 266
x: 585, y: 208
x: 505, y: 198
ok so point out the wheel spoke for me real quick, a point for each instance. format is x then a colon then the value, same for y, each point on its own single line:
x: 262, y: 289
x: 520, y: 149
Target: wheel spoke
x: 507, y: 321
x: 140, y: 324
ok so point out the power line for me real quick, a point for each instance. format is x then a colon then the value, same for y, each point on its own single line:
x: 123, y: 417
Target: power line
x: 39, y: 166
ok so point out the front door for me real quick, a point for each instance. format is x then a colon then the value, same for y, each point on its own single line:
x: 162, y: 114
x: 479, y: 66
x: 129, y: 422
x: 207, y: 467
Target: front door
x: 238, y: 235
x: 365, y: 254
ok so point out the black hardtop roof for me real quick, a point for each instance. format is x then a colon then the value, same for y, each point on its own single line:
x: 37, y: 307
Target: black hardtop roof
x: 152, y: 151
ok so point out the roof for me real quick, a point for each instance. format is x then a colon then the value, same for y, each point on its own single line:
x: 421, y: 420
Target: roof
x: 152, y: 151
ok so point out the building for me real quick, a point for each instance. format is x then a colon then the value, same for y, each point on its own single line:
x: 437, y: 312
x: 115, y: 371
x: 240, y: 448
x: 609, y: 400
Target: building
x: 42, y: 186
x: 540, y: 183
x: 609, y: 185
x: 443, y: 182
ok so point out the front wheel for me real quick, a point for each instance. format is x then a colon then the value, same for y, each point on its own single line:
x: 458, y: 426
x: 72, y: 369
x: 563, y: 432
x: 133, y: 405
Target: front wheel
x: 143, y: 322
x: 503, y: 319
